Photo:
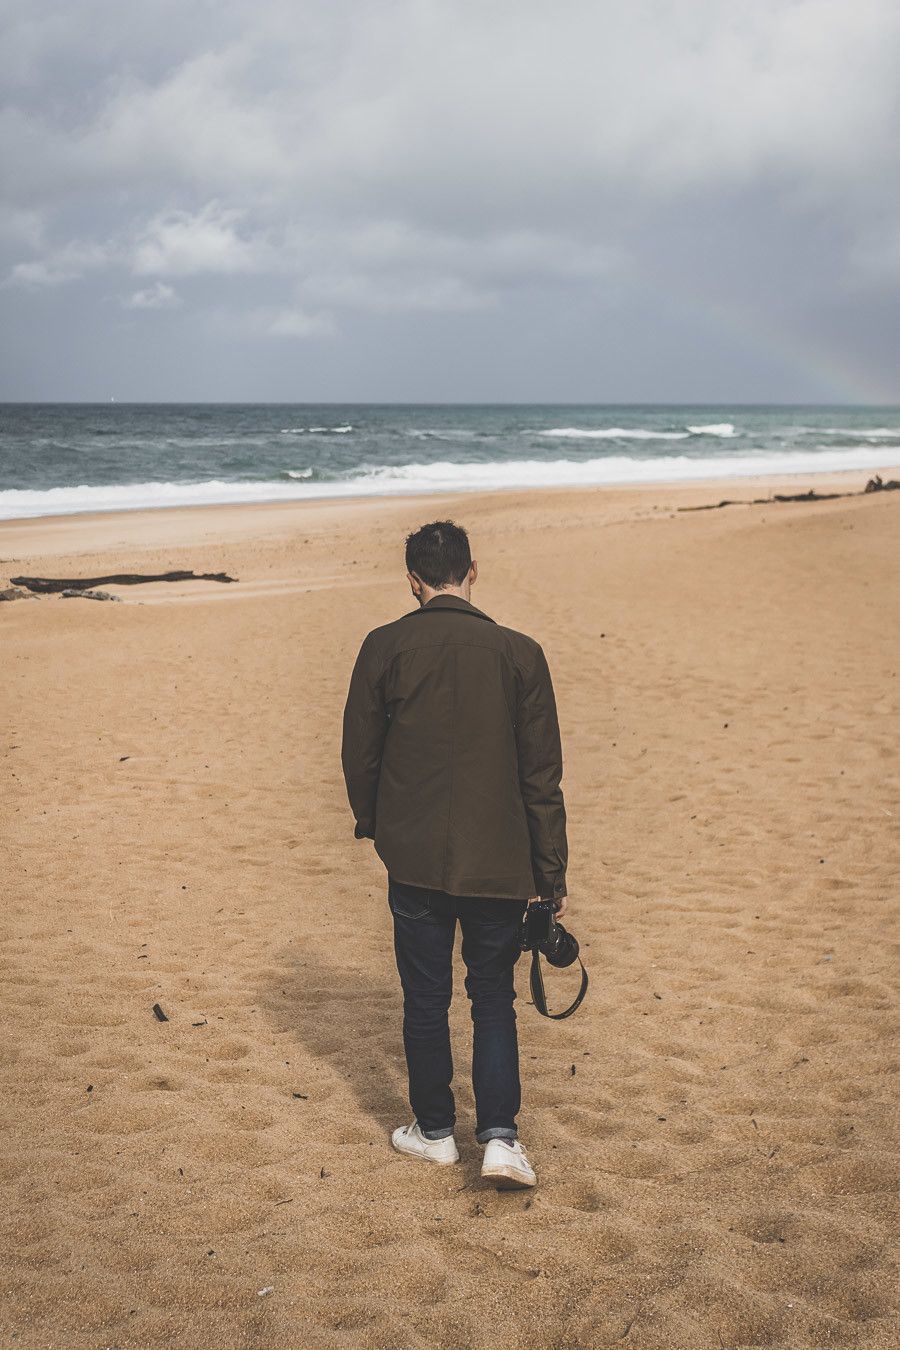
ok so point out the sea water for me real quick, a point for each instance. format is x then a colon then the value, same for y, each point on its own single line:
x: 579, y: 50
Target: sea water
x: 60, y: 458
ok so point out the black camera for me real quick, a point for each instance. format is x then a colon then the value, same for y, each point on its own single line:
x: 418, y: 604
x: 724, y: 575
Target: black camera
x: 542, y: 931
x: 543, y: 936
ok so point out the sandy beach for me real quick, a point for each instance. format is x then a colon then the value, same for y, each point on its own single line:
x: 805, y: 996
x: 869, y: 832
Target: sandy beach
x: 716, y: 1130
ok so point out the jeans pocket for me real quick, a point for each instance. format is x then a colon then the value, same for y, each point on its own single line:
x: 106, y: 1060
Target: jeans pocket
x: 409, y: 902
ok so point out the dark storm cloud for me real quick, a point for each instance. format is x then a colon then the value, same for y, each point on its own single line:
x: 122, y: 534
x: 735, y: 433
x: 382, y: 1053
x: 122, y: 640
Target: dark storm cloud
x: 436, y: 200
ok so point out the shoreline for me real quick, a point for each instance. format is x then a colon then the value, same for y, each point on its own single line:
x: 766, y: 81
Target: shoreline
x: 231, y: 514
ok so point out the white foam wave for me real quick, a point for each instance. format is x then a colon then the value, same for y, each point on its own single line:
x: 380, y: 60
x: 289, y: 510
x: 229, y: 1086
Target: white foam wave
x: 299, y: 473
x: 613, y: 434
x: 723, y: 429
x: 624, y: 469
x: 446, y: 475
x: 876, y: 433
x: 445, y: 434
x: 315, y: 431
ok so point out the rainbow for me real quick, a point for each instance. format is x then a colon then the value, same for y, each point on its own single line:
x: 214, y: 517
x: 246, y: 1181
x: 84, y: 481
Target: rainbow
x: 836, y: 377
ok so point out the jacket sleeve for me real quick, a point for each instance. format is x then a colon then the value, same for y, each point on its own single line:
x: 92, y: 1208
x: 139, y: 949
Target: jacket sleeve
x: 540, y: 770
x: 364, y: 729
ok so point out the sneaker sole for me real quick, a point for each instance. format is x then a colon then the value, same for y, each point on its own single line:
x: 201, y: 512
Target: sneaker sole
x: 508, y: 1179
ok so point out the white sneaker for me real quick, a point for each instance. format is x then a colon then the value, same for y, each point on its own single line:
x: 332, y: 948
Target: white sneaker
x: 410, y: 1140
x: 506, y: 1165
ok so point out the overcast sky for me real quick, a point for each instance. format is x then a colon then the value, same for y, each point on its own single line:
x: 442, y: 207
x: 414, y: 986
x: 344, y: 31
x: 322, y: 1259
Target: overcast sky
x: 485, y: 200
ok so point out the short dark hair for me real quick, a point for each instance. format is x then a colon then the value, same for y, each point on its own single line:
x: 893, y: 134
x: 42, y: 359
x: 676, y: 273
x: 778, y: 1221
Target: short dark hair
x: 439, y: 554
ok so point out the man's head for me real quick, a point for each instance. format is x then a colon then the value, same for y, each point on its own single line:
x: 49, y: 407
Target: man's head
x: 438, y: 560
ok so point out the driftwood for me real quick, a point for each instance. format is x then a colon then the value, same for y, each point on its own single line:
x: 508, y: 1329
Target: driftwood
x: 46, y: 586
x: 874, y: 485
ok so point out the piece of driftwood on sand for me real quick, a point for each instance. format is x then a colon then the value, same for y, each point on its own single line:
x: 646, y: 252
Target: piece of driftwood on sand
x: 874, y: 485
x: 49, y: 586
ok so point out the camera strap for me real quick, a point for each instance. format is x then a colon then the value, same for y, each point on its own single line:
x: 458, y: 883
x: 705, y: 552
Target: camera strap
x: 539, y: 998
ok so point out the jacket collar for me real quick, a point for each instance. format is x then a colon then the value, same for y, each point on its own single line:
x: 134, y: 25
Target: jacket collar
x: 440, y: 601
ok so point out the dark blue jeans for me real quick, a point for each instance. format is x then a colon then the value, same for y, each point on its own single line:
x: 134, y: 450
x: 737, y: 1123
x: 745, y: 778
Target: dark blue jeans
x: 424, y: 931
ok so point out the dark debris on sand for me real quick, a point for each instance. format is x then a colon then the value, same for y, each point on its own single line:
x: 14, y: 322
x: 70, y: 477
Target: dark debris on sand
x: 49, y: 586
x: 874, y: 485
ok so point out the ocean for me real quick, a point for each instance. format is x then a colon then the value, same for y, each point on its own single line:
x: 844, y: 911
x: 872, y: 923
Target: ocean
x: 61, y: 458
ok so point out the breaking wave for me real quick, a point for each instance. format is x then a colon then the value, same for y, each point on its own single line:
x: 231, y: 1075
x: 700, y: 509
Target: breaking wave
x: 445, y: 475
x: 315, y: 431
x: 722, y: 429
x: 612, y: 434
x: 852, y: 433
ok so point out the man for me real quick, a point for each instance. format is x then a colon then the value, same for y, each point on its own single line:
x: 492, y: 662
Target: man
x: 452, y: 759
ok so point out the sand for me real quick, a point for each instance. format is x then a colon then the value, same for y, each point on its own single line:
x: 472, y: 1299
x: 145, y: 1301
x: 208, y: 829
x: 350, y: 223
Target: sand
x: 715, y: 1131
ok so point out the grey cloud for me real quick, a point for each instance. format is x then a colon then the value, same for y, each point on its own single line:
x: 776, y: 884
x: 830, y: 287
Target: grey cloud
x: 68, y: 263
x: 462, y: 159
x: 288, y: 322
x: 157, y: 296
x: 876, y: 256
x: 182, y: 243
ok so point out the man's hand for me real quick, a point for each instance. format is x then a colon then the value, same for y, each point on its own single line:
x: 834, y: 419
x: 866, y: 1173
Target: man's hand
x: 560, y: 905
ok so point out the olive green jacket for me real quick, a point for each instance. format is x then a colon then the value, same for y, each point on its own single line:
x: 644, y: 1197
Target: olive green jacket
x: 451, y: 754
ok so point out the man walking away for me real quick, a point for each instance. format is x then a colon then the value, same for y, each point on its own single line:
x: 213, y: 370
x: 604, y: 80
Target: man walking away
x: 452, y: 759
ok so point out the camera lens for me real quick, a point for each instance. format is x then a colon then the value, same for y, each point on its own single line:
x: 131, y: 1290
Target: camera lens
x: 561, y: 948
